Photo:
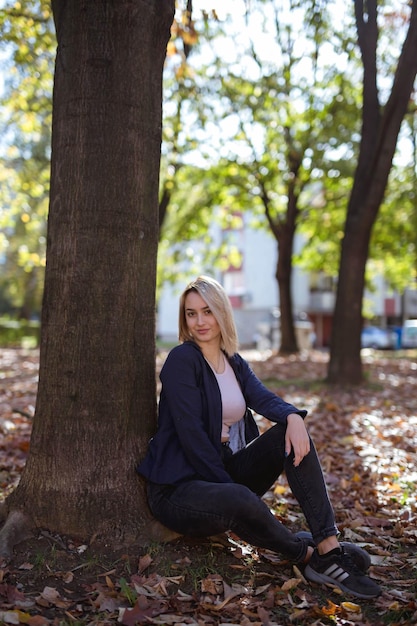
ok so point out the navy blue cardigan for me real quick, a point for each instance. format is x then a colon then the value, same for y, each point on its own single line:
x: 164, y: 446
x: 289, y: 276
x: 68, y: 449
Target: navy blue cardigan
x: 187, y: 444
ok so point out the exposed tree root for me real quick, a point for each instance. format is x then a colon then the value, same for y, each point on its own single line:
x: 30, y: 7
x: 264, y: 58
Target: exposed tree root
x: 158, y: 532
x: 17, y: 528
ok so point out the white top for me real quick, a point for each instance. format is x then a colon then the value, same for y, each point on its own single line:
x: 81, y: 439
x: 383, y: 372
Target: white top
x: 233, y: 402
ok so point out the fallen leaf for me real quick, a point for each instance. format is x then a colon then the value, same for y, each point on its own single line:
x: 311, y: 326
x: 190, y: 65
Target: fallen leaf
x: 10, y: 617
x: 144, y: 563
x: 26, y: 566
x: 290, y: 584
x: 37, y: 620
x: 212, y: 584
x: 330, y: 609
x: 351, y: 607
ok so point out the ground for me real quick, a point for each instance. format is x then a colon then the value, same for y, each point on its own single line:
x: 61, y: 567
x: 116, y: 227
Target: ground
x: 366, y: 438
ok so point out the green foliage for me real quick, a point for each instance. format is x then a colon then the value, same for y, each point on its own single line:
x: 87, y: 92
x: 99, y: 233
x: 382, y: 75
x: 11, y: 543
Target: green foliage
x: 248, y: 121
x: 394, y: 238
x: 28, y: 44
x: 19, y: 333
x: 192, y: 239
x: 289, y: 124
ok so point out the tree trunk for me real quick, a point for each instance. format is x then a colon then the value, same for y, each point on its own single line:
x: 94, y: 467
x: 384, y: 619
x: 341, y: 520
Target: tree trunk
x: 283, y: 275
x: 348, y: 311
x: 284, y: 233
x: 96, y: 404
x: 380, y: 131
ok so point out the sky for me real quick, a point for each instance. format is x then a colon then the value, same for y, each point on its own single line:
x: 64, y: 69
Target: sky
x: 222, y: 7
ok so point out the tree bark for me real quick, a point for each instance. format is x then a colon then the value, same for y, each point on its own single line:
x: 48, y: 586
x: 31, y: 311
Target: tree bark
x: 380, y: 129
x: 96, y: 403
x: 283, y: 275
x: 283, y: 230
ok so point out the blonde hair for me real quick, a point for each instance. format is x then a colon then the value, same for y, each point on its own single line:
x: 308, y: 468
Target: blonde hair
x: 217, y: 299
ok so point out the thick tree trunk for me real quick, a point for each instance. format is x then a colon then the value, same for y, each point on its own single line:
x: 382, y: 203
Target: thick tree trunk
x: 96, y: 404
x: 346, y: 364
x: 380, y: 129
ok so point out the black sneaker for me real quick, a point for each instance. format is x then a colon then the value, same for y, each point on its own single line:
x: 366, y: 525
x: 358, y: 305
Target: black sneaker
x: 360, y: 557
x: 338, y: 569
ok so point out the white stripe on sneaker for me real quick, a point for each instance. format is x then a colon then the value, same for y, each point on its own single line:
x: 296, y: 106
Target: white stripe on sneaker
x: 336, y: 572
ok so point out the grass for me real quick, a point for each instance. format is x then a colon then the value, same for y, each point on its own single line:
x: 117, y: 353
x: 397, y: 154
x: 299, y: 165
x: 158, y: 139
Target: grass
x: 127, y: 591
x: 299, y: 383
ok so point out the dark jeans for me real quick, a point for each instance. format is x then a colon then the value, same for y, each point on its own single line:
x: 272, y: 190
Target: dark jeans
x: 200, y: 509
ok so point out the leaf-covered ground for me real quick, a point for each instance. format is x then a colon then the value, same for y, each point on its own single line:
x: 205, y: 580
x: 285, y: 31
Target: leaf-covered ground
x: 367, y: 441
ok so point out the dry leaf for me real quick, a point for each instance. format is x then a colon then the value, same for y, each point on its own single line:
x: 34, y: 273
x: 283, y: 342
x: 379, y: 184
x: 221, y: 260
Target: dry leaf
x: 290, y: 584
x: 144, y: 563
x: 212, y: 584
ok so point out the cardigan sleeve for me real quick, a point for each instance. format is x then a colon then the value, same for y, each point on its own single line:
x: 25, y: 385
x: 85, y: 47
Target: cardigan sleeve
x: 260, y: 398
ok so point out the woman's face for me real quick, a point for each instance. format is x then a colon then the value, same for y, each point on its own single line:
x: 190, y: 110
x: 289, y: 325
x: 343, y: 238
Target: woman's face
x: 201, y: 323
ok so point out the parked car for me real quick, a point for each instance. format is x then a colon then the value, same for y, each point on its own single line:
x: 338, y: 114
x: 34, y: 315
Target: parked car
x: 409, y: 334
x: 380, y: 338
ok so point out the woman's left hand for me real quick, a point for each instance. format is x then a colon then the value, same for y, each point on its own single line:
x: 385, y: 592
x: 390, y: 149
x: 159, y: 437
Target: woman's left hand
x: 296, y: 438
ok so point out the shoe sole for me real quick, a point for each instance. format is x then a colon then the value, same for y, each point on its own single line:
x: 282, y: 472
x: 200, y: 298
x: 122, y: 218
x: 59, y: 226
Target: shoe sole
x: 316, y: 577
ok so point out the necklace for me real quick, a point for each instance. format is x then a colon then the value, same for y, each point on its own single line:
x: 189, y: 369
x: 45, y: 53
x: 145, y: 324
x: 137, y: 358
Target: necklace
x: 220, y: 364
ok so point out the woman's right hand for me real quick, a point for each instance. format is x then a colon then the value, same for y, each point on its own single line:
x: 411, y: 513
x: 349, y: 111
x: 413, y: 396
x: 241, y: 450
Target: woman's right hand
x: 296, y: 438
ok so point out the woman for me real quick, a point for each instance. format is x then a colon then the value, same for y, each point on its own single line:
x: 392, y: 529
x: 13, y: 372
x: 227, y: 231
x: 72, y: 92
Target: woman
x: 207, y: 466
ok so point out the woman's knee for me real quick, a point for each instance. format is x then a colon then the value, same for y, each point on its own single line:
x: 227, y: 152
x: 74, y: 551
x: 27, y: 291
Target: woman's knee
x: 244, y: 503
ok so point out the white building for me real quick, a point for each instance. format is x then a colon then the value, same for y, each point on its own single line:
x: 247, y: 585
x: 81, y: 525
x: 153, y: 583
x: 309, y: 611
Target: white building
x: 253, y: 290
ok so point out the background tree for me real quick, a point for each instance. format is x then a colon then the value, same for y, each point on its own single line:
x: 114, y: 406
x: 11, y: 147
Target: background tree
x: 191, y: 237
x: 29, y: 42
x: 28, y: 45
x: 184, y: 216
x: 218, y: 176
x: 380, y: 130
x: 283, y: 102
x: 96, y: 400
x: 190, y: 216
x: 180, y: 88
